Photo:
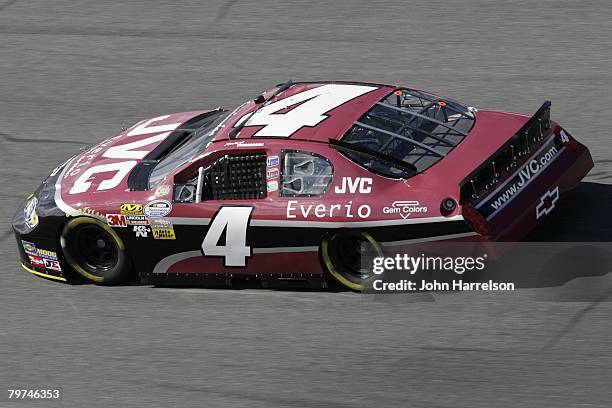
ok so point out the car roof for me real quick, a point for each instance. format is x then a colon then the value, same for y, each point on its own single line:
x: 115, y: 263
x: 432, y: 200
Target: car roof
x: 314, y: 111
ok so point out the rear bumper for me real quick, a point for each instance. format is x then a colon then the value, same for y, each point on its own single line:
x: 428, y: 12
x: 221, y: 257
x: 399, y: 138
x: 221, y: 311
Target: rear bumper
x: 540, y: 195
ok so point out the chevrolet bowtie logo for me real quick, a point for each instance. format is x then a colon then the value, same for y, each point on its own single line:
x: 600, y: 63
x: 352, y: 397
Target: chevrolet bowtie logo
x: 547, y: 203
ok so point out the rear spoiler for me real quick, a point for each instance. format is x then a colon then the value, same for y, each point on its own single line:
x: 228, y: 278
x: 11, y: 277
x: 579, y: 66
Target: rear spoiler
x: 501, y: 164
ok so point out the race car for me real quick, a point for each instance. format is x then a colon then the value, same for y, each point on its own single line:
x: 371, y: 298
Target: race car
x: 288, y: 188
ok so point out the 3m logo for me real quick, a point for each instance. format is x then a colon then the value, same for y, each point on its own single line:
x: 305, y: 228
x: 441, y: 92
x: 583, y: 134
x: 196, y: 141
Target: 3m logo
x: 116, y: 220
x: 130, y: 209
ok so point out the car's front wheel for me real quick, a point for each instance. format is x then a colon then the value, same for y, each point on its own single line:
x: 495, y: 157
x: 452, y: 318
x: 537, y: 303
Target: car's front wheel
x: 342, y: 256
x: 95, y: 251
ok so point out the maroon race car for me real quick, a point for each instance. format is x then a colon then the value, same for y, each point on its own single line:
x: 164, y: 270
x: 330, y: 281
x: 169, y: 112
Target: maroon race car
x: 286, y: 188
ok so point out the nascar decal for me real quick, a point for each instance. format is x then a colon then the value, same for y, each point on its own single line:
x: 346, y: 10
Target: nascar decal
x: 515, y: 184
x: 158, y: 208
x: 309, y: 108
x: 129, y: 153
x: 272, y: 161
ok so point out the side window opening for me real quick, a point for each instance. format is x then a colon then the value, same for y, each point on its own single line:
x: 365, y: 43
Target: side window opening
x: 305, y: 174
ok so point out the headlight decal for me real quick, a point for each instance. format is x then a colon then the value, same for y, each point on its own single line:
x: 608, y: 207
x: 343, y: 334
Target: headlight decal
x: 29, y: 212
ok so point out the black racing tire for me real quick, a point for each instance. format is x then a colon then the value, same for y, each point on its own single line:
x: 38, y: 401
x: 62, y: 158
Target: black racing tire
x: 341, y: 258
x: 94, y: 251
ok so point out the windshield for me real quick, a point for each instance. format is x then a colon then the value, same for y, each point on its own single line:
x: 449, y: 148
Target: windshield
x: 413, y: 127
x: 193, y: 145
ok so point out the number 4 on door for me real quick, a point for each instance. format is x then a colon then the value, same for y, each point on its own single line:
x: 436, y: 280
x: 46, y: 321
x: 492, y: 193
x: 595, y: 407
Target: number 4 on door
x: 234, y: 221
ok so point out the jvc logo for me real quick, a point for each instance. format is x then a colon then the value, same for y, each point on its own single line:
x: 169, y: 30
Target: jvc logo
x: 129, y: 153
x: 351, y: 185
x: 526, y: 172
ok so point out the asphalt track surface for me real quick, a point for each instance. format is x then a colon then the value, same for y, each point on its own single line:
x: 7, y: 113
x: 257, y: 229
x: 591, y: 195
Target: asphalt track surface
x: 72, y: 72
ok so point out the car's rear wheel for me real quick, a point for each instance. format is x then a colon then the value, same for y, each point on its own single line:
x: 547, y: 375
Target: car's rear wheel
x: 342, y: 254
x: 95, y: 251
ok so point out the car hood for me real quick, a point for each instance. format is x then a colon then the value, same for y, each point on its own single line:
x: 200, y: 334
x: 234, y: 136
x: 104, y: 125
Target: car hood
x: 100, y: 172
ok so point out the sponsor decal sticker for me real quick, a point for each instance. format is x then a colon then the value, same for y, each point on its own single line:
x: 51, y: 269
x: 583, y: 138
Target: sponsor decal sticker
x: 47, y: 254
x: 41, y: 258
x: 352, y: 185
x: 116, y: 220
x: 273, y: 161
x: 529, y: 171
x: 86, y: 211
x: 137, y: 220
x: 162, y: 191
x: 29, y: 248
x: 296, y: 209
x: 272, y: 174
x: 37, y: 261
x: 243, y: 143
x: 547, y: 203
x: 52, y: 264
x: 130, y: 208
x: 405, y: 208
x: 141, y: 231
x: 158, y: 208
x: 272, y: 186
x: 162, y: 229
